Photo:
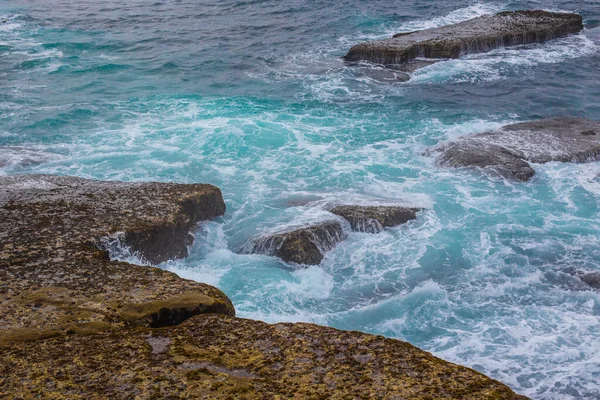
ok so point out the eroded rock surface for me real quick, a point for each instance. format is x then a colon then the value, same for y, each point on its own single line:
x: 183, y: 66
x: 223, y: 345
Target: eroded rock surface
x: 75, y: 325
x: 506, y: 151
x: 477, y: 35
x: 373, y: 219
x: 55, y: 280
x: 306, y: 245
x: 218, y: 357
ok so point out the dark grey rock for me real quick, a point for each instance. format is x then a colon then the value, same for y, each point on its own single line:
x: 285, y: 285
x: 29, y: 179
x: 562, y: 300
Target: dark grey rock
x: 592, y: 279
x: 588, y: 279
x: 506, y: 151
x: 495, y: 159
x: 477, y: 35
x: 373, y: 219
x: 306, y: 245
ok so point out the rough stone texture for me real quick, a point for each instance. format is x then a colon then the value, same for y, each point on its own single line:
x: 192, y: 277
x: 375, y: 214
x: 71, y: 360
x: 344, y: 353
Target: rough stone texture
x: 563, y: 139
x: 477, y: 35
x: 306, y: 245
x: 592, y: 279
x: 55, y: 280
x: 219, y: 357
x: 74, y: 325
x: 373, y: 219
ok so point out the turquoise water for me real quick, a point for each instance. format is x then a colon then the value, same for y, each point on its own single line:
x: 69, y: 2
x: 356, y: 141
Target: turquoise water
x: 252, y: 96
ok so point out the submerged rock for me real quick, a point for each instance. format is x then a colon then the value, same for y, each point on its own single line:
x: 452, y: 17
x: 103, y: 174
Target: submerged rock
x: 54, y: 277
x: 477, y: 35
x: 507, y: 150
x: 306, y: 245
x: 373, y: 219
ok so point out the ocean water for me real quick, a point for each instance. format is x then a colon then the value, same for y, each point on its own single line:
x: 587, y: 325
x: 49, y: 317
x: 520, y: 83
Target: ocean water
x: 252, y: 96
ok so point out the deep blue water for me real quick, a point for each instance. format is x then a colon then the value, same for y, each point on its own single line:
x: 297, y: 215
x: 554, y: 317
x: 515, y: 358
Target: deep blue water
x: 252, y: 96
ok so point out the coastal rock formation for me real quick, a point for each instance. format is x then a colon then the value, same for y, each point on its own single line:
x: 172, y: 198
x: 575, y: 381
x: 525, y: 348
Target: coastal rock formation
x: 219, y: 357
x: 54, y: 277
x: 506, y: 151
x: 373, y: 219
x: 592, y: 279
x: 477, y: 35
x: 76, y: 325
x: 305, y: 245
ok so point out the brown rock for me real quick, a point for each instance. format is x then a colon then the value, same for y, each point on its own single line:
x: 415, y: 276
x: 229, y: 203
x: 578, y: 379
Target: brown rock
x: 54, y: 279
x: 373, y: 219
x: 218, y: 357
x: 306, y: 245
x: 477, y: 35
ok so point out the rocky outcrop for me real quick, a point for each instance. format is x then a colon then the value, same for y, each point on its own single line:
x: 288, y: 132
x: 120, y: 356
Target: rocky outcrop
x: 507, y: 150
x: 477, y: 35
x: 590, y: 279
x: 306, y: 245
x: 219, y: 357
x: 76, y: 325
x: 373, y: 219
x: 54, y: 277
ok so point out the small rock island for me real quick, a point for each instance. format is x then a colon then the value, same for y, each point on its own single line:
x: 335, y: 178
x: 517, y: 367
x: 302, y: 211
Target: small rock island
x: 412, y: 50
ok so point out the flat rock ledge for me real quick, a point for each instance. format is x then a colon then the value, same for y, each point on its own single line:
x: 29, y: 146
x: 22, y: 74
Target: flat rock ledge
x: 477, y: 35
x: 374, y: 219
x: 506, y: 152
x: 75, y: 325
x: 305, y: 246
x: 54, y: 279
x: 220, y: 357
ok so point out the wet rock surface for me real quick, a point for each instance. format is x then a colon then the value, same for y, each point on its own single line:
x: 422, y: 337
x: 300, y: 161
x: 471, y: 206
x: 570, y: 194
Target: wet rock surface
x: 589, y: 279
x: 592, y: 279
x: 508, y: 150
x: 305, y: 245
x: 219, y: 357
x: 54, y: 278
x: 477, y: 35
x: 76, y: 325
x: 374, y: 219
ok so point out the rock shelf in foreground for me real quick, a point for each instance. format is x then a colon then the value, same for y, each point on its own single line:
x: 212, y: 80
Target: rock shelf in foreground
x: 220, y: 357
x: 477, y: 35
x: 508, y: 150
x: 76, y: 325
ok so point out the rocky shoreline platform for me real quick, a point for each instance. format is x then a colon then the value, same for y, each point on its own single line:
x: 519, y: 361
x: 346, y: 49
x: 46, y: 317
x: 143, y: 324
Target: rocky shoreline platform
x: 409, y: 51
x: 75, y: 324
x: 508, y: 151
